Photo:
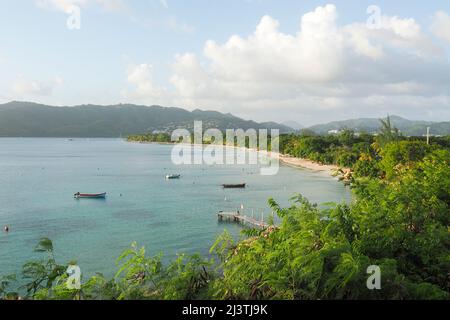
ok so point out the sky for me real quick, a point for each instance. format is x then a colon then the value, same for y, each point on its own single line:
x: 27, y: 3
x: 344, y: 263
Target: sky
x: 265, y: 60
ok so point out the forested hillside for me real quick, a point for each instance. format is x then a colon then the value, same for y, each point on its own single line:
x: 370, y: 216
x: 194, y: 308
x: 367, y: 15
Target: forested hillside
x: 23, y: 119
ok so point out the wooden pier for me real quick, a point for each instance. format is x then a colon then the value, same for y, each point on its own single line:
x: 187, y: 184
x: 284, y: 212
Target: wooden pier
x: 242, y: 219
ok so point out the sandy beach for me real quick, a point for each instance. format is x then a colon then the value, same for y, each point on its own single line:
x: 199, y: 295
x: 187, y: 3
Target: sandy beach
x: 286, y: 160
x: 308, y: 164
x: 305, y: 163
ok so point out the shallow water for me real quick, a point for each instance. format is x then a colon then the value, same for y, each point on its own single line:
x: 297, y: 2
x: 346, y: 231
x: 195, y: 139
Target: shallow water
x: 39, y: 177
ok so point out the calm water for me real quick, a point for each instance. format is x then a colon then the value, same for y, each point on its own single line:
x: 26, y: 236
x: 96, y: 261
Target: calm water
x: 40, y: 176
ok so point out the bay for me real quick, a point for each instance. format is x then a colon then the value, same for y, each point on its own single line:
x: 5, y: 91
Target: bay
x: 38, y: 178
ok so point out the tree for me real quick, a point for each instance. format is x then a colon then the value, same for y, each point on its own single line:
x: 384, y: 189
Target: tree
x: 396, y: 155
x: 346, y: 137
x: 388, y: 133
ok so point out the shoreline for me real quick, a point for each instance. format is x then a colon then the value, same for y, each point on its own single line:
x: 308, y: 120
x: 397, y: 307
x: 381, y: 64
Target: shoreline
x: 311, y: 165
x: 301, y: 163
x: 293, y: 162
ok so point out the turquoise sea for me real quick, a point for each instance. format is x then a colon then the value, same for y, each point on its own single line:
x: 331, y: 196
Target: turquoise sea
x: 38, y: 178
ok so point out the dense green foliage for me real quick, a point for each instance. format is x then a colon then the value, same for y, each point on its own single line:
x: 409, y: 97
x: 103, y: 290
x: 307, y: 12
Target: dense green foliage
x: 401, y: 225
x: 367, y: 155
x: 399, y: 220
x: 151, y: 137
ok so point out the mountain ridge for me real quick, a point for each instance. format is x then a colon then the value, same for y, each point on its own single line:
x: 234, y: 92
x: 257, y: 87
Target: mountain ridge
x: 371, y: 125
x: 29, y: 119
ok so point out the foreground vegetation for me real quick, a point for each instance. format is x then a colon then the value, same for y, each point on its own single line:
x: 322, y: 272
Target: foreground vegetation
x: 399, y: 220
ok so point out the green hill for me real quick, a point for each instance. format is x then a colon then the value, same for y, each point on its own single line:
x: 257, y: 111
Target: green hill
x: 25, y: 119
x: 407, y: 127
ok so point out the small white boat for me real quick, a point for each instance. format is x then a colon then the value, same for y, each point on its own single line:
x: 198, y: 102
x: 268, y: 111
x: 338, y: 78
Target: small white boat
x: 173, y: 176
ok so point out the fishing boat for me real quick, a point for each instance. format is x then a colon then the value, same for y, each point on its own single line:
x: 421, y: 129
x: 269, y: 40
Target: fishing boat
x: 89, y: 195
x: 234, y: 186
x: 173, y: 176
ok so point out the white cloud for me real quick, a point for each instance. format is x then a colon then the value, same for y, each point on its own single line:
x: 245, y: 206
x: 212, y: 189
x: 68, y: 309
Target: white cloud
x: 441, y: 25
x: 143, y: 89
x: 394, y: 34
x: 323, y: 66
x: 61, y: 5
x: 314, y: 54
x: 28, y: 88
x: 322, y: 72
x: 67, y: 5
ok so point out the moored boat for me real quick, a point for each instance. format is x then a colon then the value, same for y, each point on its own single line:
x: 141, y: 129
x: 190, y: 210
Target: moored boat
x: 234, y: 186
x: 79, y: 195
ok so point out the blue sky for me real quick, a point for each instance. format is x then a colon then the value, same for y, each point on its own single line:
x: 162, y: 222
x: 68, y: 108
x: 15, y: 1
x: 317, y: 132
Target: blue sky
x: 156, y: 52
